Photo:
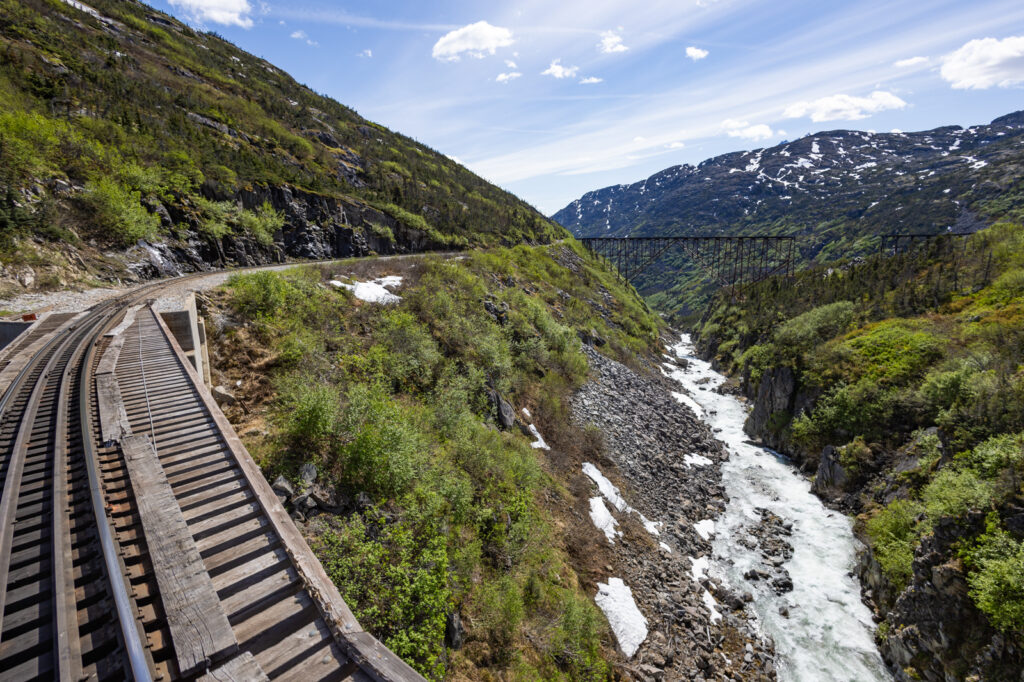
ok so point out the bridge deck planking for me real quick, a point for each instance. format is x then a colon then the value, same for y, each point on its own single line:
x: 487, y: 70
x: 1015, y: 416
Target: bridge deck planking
x: 256, y: 561
x: 198, y: 625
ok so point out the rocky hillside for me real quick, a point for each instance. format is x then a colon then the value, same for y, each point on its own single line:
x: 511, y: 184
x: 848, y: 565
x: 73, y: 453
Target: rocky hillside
x: 836, y: 187
x: 896, y: 383
x: 121, y: 127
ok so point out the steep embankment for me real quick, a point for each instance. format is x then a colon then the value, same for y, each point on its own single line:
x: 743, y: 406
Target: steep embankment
x: 898, y: 381
x: 452, y: 450
x: 837, y: 190
x: 119, y: 124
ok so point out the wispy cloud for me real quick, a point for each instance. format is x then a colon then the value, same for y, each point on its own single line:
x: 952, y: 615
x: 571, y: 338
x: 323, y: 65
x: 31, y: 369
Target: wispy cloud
x: 611, y: 42
x: 844, y: 107
x: 475, y: 40
x: 227, y: 12
x: 366, y: 54
x: 696, y: 54
x: 558, y: 71
x: 746, y: 130
x: 342, y: 18
x: 982, y: 64
x: 910, y: 61
x: 301, y: 35
x: 506, y: 77
x: 591, y: 80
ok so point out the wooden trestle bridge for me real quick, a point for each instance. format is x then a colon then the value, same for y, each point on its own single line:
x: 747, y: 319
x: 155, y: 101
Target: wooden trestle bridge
x: 138, y: 539
x: 731, y: 261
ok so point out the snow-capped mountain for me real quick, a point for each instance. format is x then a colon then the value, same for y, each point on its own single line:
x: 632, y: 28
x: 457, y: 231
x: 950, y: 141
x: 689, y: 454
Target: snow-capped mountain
x: 840, y: 183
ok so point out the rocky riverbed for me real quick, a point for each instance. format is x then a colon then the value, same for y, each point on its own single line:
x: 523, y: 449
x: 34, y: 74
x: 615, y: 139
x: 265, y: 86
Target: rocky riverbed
x: 669, y: 466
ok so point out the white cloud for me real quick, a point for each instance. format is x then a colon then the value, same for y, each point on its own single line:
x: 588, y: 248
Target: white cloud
x: 743, y: 129
x: 912, y: 61
x: 695, y: 53
x: 675, y: 145
x: 639, y: 138
x: 844, y: 107
x: 590, y: 80
x: 367, y: 53
x: 230, y: 12
x: 477, y: 40
x: 301, y: 35
x: 558, y: 71
x: 510, y: 64
x: 611, y: 42
x: 981, y: 64
x: 506, y: 77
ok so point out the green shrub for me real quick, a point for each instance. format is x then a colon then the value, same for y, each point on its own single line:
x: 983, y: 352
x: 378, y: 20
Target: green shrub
x: 895, y: 351
x: 502, y: 601
x: 997, y: 584
x: 412, y: 357
x: 894, y: 532
x: 394, y: 578
x: 379, y: 445
x: 310, y: 410
x: 574, y: 644
x: 119, y: 213
x: 955, y: 491
x: 815, y: 326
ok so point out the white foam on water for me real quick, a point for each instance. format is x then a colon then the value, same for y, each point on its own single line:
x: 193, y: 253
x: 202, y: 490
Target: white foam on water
x: 829, y: 635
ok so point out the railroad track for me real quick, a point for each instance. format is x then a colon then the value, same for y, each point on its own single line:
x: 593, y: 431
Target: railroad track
x: 138, y: 539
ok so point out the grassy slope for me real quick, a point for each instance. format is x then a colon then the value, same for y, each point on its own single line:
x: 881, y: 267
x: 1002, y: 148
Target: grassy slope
x: 112, y: 108
x: 393, y: 403
x: 890, y: 348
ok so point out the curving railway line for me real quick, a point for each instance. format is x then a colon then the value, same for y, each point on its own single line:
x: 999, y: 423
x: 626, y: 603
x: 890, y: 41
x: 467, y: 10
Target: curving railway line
x: 138, y: 539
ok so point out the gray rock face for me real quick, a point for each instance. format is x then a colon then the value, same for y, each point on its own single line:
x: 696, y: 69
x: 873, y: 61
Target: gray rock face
x: 934, y: 623
x: 506, y: 413
x: 831, y: 475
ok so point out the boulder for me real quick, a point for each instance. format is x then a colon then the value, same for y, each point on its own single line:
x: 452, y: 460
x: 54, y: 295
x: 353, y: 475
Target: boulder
x: 831, y: 474
x: 454, y: 633
x: 222, y: 396
x: 506, y: 413
x: 282, y: 488
x: 307, y: 473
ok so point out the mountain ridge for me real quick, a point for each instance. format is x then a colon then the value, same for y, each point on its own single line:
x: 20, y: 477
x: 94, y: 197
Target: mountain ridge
x: 867, y: 178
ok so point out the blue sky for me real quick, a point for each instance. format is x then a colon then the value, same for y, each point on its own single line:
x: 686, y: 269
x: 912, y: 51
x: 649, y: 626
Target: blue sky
x: 550, y: 99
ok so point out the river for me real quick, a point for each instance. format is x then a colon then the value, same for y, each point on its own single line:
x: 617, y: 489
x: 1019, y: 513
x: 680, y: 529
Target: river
x: 828, y: 634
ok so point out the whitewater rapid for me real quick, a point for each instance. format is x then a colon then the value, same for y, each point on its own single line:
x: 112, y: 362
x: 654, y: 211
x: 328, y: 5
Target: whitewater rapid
x: 828, y: 635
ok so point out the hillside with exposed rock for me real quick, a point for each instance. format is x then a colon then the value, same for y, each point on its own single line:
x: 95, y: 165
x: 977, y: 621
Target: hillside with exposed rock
x: 122, y: 128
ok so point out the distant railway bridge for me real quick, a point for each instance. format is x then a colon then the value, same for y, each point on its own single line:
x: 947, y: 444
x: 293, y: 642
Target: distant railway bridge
x: 733, y: 262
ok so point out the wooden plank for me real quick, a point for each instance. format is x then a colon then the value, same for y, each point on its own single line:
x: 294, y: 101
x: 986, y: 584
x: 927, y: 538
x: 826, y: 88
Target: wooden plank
x: 114, y: 424
x: 108, y: 361
x: 199, y: 627
x: 242, y: 668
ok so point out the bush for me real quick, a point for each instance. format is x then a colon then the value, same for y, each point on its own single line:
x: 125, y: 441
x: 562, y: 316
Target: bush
x: 997, y: 586
x: 394, y: 578
x: 119, y: 213
x: 310, y: 410
x: 379, y: 444
x: 955, y: 491
x: 894, y: 532
x: 815, y: 326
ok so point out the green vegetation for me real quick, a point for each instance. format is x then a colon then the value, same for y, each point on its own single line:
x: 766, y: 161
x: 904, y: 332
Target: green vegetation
x: 148, y: 114
x: 919, y: 357
x: 444, y: 511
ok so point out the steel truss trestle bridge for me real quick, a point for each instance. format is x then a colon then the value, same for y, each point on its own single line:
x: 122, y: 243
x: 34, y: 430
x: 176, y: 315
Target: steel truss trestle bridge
x: 733, y: 262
